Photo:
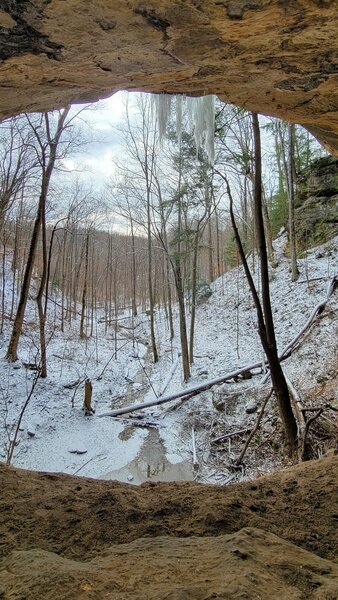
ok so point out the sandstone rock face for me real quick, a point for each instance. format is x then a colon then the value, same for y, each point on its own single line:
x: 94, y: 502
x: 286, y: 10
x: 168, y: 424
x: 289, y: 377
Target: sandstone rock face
x: 270, y: 56
x: 248, y: 564
x: 316, y: 216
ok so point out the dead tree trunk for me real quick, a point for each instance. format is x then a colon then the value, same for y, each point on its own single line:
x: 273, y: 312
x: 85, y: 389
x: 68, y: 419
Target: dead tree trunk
x: 87, y: 403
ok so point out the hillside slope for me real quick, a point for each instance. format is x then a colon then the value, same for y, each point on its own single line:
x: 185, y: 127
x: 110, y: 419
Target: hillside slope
x: 156, y: 444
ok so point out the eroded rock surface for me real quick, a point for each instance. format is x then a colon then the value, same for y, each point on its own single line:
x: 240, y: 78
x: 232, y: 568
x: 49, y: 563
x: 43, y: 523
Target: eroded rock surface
x: 70, y: 537
x: 316, y: 214
x: 248, y: 564
x: 270, y: 56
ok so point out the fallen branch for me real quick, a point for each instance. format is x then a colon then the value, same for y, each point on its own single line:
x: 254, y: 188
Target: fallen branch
x: 177, y: 404
x: 194, y: 453
x: 318, y: 309
x: 223, y: 437
x: 309, y: 280
x: 253, y: 431
x: 99, y: 377
x: 187, y: 393
x: 147, y: 376
x: 315, y: 408
x: 145, y: 424
x: 170, y: 376
x: 22, y: 412
x: 297, y: 407
x: 87, y: 463
x: 306, y: 431
x: 76, y: 387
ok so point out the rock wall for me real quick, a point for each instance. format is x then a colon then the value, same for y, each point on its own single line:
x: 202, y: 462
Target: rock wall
x: 270, y: 56
x: 316, y: 215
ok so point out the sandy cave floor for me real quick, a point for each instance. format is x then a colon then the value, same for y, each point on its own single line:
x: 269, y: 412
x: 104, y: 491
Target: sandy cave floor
x: 72, y: 537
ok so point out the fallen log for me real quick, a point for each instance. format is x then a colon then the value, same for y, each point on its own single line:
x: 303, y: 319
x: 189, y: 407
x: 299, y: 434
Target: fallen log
x: 318, y: 309
x: 186, y: 393
x: 192, y: 391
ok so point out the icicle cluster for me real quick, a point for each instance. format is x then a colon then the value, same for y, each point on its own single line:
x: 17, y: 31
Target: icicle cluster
x: 201, y: 113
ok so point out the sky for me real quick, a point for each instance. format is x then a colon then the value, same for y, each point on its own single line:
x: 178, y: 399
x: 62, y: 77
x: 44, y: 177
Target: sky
x: 100, y: 123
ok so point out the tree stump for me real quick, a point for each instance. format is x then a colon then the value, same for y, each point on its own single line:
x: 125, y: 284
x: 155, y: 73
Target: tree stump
x: 87, y: 403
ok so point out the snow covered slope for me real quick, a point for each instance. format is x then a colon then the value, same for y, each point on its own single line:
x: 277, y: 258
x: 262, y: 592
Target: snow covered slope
x: 157, y: 443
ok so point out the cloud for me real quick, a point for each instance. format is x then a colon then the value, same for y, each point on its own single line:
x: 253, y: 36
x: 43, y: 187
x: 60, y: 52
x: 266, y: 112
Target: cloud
x: 95, y: 158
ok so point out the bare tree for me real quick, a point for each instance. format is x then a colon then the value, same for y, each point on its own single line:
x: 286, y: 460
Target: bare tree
x: 47, y: 154
x: 291, y: 194
x: 140, y: 145
x: 85, y: 286
x: 264, y: 311
x: 17, y: 161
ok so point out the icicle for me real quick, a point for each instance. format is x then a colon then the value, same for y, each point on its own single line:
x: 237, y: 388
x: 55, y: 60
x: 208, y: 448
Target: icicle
x: 179, y: 117
x: 209, y: 116
x: 162, y: 104
x: 201, y: 114
x: 203, y: 118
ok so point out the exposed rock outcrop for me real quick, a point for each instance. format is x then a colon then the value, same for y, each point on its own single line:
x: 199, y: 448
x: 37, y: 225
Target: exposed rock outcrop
x: 317, y: 199
x: 247, y: 564
x: 80, y: 518
x: 270, y: 56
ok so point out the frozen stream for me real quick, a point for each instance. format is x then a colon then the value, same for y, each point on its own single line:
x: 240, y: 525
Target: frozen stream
x: 152, y: 464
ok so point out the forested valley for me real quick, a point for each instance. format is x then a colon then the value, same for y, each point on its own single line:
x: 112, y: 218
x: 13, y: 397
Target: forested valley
x: 182, y: 278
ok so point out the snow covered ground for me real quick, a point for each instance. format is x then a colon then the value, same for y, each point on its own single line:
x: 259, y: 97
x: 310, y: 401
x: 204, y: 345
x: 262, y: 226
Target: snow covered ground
x: 56, y: 436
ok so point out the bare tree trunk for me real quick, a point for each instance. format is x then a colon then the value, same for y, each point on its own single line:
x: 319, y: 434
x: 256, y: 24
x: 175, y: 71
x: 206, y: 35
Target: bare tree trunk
x: 164, y: 240
x: 183, y: 323
x: 39, y: 298
x: 210, y: 250
x: 92, y: 290
x: 150, y: 286
x: 268, y: 333
x: 87, y: 402
x: 3, y: 286
x: 245, y: 211
x: 12, y: 351
x: 193, y: 297
x: 116, y: 308
x: 84, y: 290
x: 292, y: 232
x: 15, y: 261
x: 219, y: 271
x: 63, y: 278
x: 170, y: 306
x: 133, y: 271
x: 268, y: 233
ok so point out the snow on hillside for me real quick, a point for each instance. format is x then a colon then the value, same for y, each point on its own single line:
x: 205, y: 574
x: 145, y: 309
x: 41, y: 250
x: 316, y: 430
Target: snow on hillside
x: 156, y: 443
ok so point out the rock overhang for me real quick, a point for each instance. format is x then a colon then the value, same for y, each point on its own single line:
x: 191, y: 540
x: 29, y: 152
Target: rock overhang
x: 270, y: 56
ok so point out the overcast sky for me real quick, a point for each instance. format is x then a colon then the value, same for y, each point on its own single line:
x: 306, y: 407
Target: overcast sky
x: 100, y: 124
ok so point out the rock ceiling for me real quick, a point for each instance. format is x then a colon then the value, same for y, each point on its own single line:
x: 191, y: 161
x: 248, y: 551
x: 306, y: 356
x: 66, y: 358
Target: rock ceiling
x: 276, y: 57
